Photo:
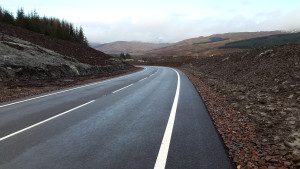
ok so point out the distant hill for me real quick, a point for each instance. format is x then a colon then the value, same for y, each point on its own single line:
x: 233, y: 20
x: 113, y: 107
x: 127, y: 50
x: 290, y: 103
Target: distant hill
x: 267, y: 41
x: 205, y: 46
x: 132, y: 47
x: 93, y: 45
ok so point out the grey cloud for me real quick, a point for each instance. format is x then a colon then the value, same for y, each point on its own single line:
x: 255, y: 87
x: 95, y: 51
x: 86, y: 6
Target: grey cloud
x: 176, y: 28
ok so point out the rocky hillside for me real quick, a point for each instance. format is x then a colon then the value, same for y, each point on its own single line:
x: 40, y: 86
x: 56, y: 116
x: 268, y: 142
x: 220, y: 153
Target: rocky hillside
x: 26, y: 55
x: 24, y: 61
x: 133, y: 48
x: 32, y: 63
x: 262, y: 86
x: 79, y: 52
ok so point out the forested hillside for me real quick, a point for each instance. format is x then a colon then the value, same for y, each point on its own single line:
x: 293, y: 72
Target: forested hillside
x: 49, y: 26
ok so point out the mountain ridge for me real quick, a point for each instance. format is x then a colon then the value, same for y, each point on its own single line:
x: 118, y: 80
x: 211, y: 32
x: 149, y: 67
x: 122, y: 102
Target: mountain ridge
x: 203, y: 46
x: 131, y: 47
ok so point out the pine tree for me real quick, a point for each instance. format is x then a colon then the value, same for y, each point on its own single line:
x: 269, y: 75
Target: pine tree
x: 8, y: 17
x: 122, y: 55
x: 1, y: 14
x: 71, y: 32
x: 127, y: 56
x: 20, y: 20
x: 81, y: 35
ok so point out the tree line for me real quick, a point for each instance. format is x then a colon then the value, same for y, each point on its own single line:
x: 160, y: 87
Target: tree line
x: 125, y: 56
x: 44, y: 25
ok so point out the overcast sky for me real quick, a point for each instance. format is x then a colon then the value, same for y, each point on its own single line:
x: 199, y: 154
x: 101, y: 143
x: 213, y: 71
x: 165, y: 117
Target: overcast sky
x: 166, y: 20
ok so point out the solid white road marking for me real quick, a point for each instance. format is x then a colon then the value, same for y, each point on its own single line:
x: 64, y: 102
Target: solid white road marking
x: 44, y: 121
x: 122, y: 88
x: 165, y: 144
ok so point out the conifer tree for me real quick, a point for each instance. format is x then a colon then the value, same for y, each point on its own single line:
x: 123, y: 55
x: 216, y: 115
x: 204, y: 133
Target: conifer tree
x: 8, y: 17
x: 20, y: 20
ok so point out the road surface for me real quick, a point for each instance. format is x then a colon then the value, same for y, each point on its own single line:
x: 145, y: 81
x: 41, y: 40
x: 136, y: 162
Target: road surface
x: 153, y: 118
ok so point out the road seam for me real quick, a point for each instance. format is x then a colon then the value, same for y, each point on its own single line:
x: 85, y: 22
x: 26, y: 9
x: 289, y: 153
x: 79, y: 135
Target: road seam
x: 165, y: 144
x: 122, y: 88
x: 44, y: 121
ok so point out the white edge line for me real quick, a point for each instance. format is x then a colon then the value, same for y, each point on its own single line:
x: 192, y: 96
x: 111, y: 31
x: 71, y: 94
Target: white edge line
x: 165, y: 144
x: 44, y: 121
x: 122, y: 88
x: 91, y: 84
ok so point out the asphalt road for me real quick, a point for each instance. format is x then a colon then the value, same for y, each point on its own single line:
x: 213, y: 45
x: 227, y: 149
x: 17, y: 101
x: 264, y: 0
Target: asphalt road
x: 153, y: 118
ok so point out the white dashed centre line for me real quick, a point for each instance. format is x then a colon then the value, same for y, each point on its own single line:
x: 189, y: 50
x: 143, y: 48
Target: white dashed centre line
x: 122, y: 88
x: 44, y: 121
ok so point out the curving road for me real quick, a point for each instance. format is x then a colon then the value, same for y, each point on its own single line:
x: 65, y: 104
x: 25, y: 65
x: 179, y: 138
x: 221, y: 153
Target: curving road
x: 153, y: 118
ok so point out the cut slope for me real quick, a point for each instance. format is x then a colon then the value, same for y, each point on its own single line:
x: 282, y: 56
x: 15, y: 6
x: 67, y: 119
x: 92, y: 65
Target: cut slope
x: 81, y: 53
x: 24, y: 61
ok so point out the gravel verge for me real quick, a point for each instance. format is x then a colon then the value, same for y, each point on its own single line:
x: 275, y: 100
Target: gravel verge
x: 238, y: 131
